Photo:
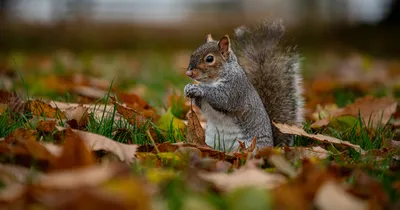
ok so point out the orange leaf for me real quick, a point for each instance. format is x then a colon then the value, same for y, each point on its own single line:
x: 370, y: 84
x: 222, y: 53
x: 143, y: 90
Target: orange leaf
x: 22, y: 143
x: 75, y: 153
x: 134, y: 117
x: 40, y: 108
x: 46, y: 126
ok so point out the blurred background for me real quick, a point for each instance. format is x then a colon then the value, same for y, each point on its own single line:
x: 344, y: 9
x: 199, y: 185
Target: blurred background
x: 131, y: 24
x: 149, y: 41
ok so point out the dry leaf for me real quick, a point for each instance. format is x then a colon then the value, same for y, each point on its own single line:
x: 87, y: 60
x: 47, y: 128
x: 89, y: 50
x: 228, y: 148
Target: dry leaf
x: 282, y: 165
x: 288, y: 129
x: 135, y: 102
x: 75, y: 153
x: 77, y: 116
x: 12, y: 177
x: 372, y: 110
x: 332, y: 196
x: 134, y: 117
x: 125, y: 152
x: 22, y: 142
x: 195, y: 133
x: 89, y: 92
x: 16, y: 104
x: 308, y: 152
x: 244, y: 177
x: 40, y: 108
x: 299, y: 192
x: 252, y: 145
x: 80, y: 177
x: 46, y: 126
x: 54, y: 149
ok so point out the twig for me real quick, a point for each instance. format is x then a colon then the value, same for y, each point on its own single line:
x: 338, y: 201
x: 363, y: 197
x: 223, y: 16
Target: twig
x: 152, y: 141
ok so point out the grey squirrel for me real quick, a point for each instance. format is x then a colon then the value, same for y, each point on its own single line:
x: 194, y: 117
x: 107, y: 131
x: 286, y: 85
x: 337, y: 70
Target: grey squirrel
x: 244, y: 84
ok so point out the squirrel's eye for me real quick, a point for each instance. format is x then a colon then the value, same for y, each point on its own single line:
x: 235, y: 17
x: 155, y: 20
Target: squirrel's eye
x: 209, y: 59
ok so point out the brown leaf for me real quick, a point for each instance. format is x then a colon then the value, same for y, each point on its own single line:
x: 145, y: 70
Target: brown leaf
x: 46, y: 126
x: 77, y: 116
x: 333, y: 195
x: 22, y: 143
x: 134, y: 117
x: 75, y: 153
x: 40, y: 108
x: 195, y: 133
x: 90, y: 92
x: 118, y: 193
x: 299, y: 192
x: 125, y: 152
x: 282, y: 165
x: 244, y: 177
x: 288, y: 129
x: 135, y: 102
x: 307, y: 152
x: 372, y: 110
x: 4, y: 96
x: 16, y: 104
x: 13, y: 177
x: 11, y: 100
x: 92, y: 175
x: 252, y: 145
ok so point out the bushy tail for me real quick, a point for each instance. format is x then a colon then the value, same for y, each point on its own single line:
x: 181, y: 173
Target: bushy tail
x: 273, y: 69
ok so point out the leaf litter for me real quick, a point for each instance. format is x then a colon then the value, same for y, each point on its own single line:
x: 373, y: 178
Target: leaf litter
x: 70, y: 171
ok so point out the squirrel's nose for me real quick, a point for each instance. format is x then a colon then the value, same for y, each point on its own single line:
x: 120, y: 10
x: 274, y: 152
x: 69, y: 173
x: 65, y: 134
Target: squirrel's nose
x: 189, y: 72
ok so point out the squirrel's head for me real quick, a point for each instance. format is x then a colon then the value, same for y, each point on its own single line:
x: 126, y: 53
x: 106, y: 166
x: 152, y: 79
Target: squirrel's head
x: 206, y: 62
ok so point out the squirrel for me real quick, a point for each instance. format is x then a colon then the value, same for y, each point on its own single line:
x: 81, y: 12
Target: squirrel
x: 244, y: 84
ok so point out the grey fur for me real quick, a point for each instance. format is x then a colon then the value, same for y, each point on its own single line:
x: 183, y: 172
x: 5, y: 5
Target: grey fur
x: 243, y: 98
x: 234, y: 97
x: 273, y: 69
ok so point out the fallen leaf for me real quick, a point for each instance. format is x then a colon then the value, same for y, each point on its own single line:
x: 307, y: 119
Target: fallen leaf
x: 133, y: 101
x: 40, y: 108
x: 322, y: 138
x: 75, y: 153
x: 92, y: 175
x: 300, y: 191
x: 252, y: 145
x: 11, y: 192
x: 332, y: 196
x: 372, y: 111
x: 22, y: 143
x: 243, y: 177
x: 89, y: 92
x: 282, y: 165
x: 125, y: 152
x: 16, y: 104
x: 307, y: 152
x: 195, y: 133
x: 77, y: 116
x: 13, y: 178
x: 134, y: 117
x: 46, y: 126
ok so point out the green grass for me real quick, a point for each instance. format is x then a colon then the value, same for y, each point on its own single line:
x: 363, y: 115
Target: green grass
x: 10, y: 121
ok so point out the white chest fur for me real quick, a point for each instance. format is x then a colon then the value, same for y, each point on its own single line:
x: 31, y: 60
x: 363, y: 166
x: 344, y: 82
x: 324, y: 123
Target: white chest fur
x: 221, y: 131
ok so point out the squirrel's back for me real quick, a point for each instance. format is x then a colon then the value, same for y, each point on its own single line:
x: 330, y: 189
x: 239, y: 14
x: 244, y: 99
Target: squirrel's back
x: 273, y: 69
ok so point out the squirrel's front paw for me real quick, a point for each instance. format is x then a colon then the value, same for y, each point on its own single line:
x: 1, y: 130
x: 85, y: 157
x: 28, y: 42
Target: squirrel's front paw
x: 193, y: 91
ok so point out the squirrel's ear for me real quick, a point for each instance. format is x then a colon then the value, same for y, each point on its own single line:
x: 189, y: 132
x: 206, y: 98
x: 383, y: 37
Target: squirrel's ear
x: 224, y: 46
x: 208, y: 38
